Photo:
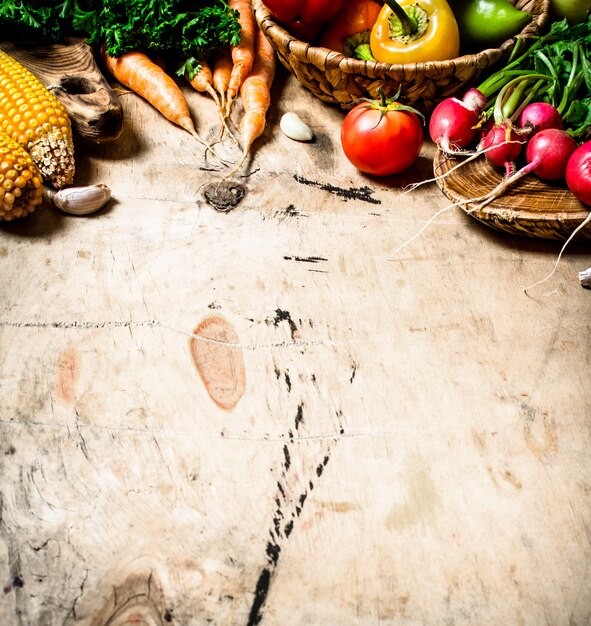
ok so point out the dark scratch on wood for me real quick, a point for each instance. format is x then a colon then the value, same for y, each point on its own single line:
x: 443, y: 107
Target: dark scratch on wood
x: 17, y: 583
x: 288, y: 212
x: 299, y: 416
x: 306, y: 259
x: 350, y: 193
x: 284, y: 316
x: 273, y: 550
x: 322, y: 465
x: 260, y: 595
x: 282, y: 523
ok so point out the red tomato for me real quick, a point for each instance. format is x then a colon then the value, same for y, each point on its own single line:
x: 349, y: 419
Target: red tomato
x: 382, y: 137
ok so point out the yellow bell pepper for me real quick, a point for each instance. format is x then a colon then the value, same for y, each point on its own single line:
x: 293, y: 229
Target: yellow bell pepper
x: 415, y: 31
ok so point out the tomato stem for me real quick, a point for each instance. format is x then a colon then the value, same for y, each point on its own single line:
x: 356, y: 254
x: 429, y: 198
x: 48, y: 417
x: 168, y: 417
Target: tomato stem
x: 383, y: 100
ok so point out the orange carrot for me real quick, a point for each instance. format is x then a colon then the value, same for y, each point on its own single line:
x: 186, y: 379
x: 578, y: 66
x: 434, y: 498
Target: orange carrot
x: 222, y: 69
x: 243, y: 53
x: 139, y: 73
x: 202, y: 81
x: 256, y: 94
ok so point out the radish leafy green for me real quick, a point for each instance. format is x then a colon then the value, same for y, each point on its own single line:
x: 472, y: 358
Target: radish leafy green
x: 563, y: 57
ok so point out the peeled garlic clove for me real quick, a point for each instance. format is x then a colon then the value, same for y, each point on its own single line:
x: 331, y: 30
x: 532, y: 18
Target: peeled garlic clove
x: 294, y: 128
x: 81, y: 200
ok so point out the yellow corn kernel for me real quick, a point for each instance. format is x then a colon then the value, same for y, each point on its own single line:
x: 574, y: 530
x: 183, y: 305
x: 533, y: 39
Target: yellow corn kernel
x: 32, y: 116
x: 21, y: 188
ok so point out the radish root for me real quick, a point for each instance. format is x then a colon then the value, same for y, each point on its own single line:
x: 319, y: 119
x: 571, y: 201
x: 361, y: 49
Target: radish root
x: 572, y: 235
x: 437, y: 214
x: 413, y: 186
x: 471, y: 157
x: 481, y: 201
x: 585, y: 278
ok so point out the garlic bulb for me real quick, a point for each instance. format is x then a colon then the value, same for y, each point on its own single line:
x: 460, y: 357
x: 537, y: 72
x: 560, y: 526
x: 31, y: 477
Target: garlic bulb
x: 80, y: 200
x: 292, y: 126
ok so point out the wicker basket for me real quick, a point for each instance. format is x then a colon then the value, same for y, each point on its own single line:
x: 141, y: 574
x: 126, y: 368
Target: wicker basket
x: 341, y: 80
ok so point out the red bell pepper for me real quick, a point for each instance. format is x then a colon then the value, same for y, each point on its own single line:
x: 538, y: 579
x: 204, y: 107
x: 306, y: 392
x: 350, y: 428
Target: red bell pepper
x: 304, y: 18
x: 351, y: 27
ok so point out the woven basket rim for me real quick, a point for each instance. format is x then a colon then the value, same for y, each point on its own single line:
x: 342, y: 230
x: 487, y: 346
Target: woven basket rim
x: 333, y: 59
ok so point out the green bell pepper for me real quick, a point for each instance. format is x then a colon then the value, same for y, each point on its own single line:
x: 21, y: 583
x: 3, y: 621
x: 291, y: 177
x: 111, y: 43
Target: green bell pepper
x: 487, y: 23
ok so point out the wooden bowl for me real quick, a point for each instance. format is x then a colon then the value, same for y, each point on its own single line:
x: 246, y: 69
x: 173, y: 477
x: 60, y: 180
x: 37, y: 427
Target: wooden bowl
x: 530, y: 208
x: 341, y: 80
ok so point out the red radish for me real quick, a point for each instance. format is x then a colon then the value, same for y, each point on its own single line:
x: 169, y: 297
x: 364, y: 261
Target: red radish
x: 578, y: 173
x: 453, y: 122
x: 578, y: 180
x: 539, y: 116
x: 484, y: 129
x: 502, y: 145
x: 548, y: 152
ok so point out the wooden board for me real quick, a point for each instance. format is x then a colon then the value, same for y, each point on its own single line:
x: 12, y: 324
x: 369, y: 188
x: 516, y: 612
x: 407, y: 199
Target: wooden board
x: 531, y: 208
x: 264, y: 415
x: 70, y: 71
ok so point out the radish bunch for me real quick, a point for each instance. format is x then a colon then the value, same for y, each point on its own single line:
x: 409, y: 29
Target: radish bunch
x: 537, y: 135
x: 527, y: 117
x: 549, y: 152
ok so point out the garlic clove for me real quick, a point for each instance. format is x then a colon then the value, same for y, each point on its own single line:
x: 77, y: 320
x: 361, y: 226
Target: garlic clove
x: 80, y: 200
x: 292, y: 126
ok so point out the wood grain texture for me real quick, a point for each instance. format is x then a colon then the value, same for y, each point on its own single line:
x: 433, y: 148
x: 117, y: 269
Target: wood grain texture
x: 70, y: 71
x: 530, y: 208
x: 412, y: 444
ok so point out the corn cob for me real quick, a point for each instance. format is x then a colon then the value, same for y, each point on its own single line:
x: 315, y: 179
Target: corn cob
x: 21, y: 186
x: 37, y: 120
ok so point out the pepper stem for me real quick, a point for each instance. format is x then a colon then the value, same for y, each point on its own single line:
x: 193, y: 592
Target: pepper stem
x: 408, y: 26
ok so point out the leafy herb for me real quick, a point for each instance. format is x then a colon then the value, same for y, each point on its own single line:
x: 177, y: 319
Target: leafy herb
x: 559, y: 65
x: 33, y: 20
x: 186, y: 30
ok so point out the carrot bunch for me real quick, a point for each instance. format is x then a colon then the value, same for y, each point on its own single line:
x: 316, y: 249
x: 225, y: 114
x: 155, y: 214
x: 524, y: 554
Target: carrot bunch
x: 244, y: 69
x: 147, y: 78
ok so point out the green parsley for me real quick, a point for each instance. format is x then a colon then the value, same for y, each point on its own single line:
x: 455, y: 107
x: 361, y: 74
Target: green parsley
x: 184, y: 30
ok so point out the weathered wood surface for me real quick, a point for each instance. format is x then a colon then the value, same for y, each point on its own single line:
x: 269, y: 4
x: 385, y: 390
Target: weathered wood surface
x: 265, y: 415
